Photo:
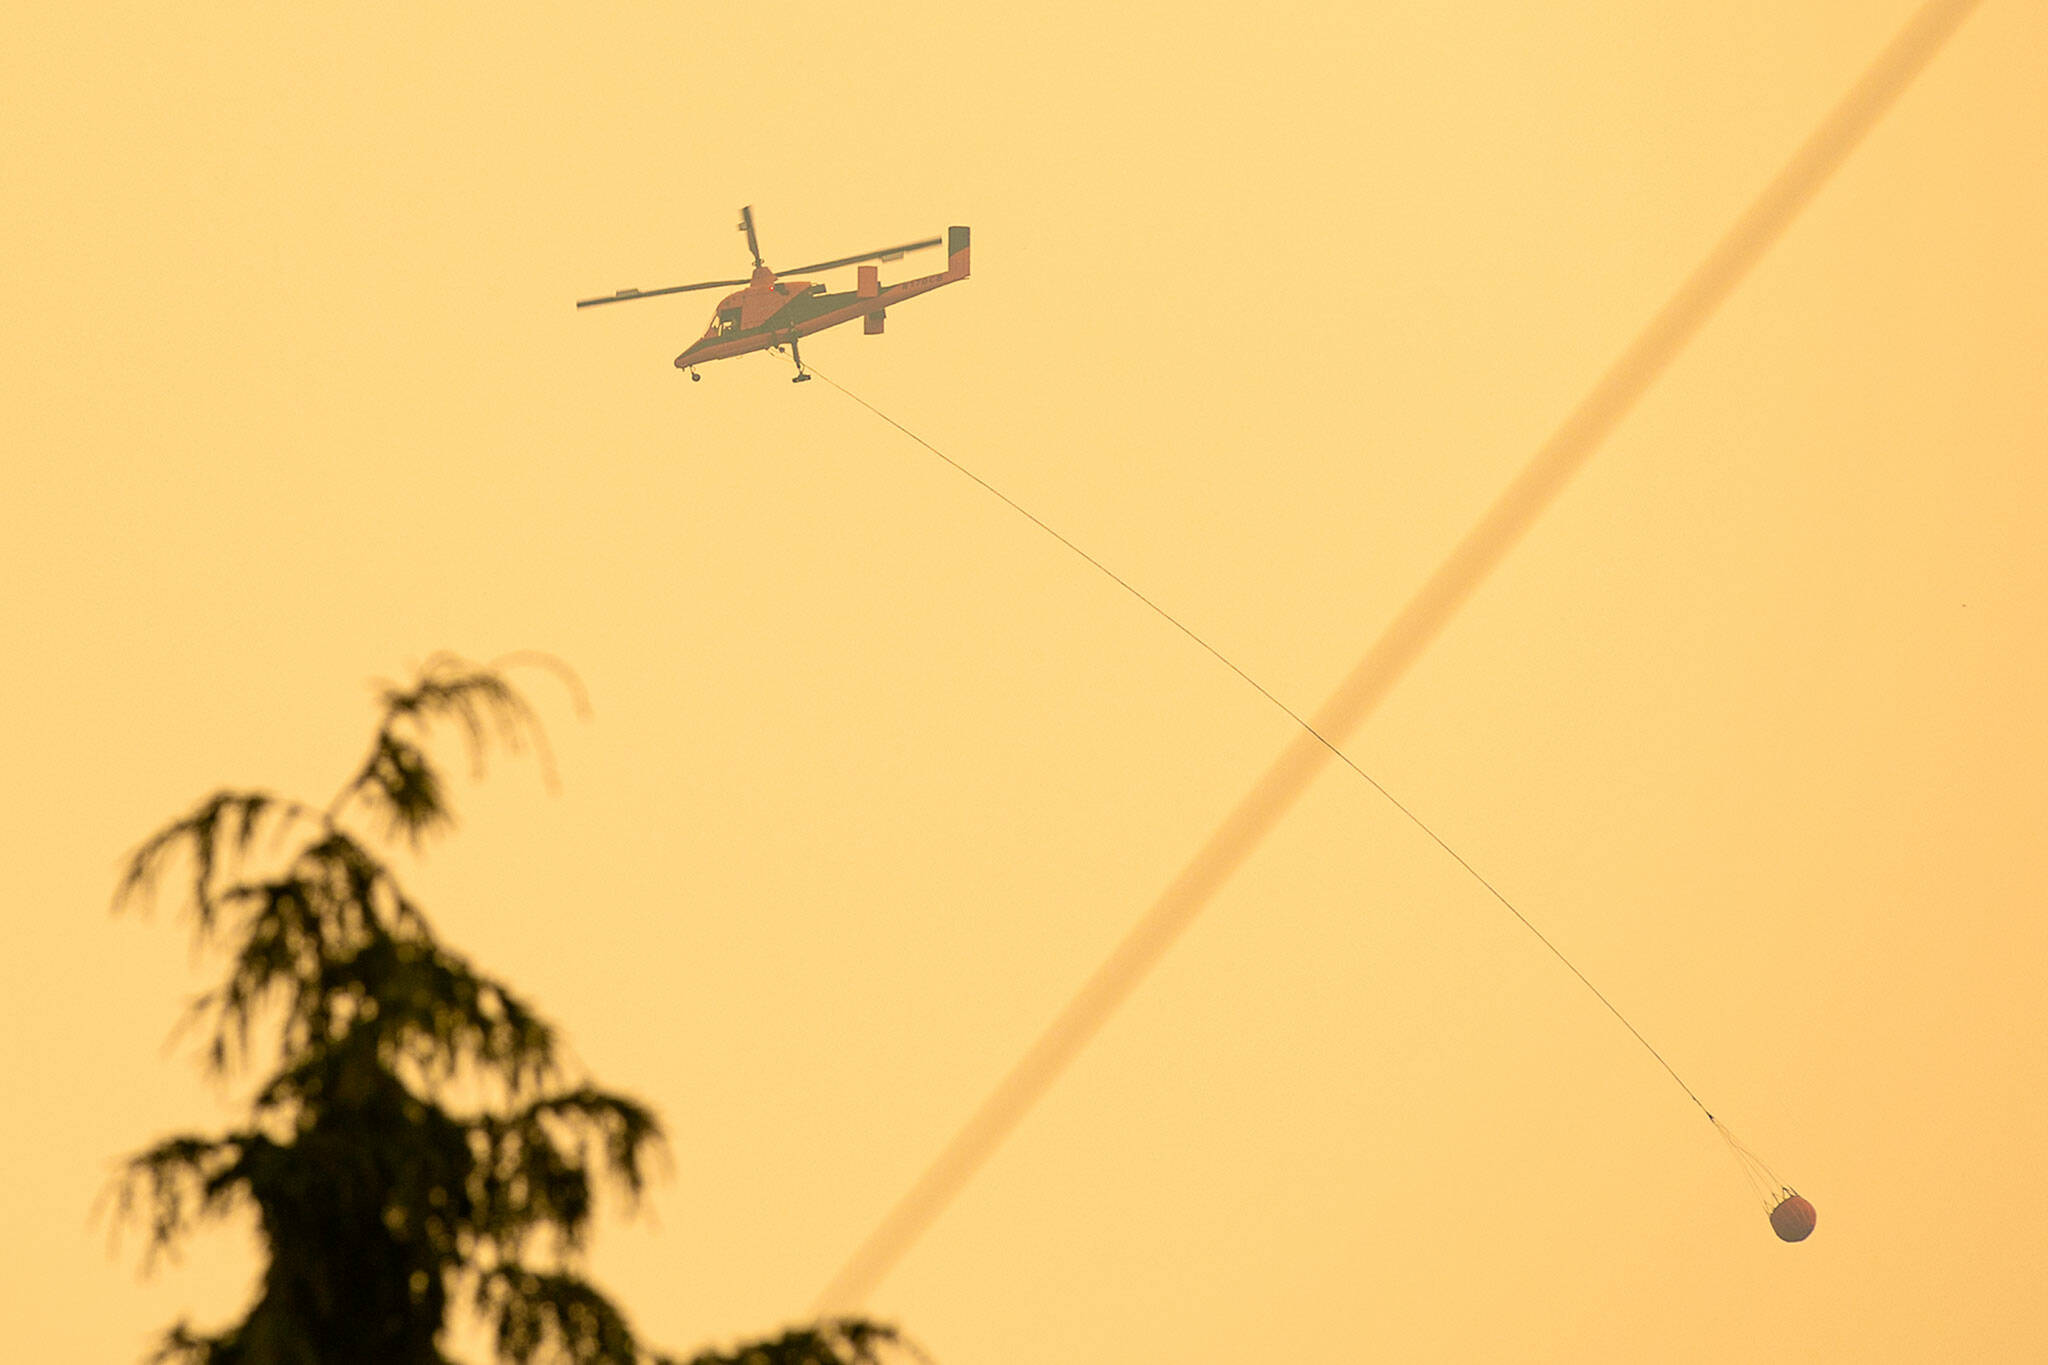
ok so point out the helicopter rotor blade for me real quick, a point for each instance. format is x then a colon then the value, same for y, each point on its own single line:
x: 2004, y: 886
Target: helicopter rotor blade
x: 747, y: 226
x: 625, y: 294
x: 887, y: 253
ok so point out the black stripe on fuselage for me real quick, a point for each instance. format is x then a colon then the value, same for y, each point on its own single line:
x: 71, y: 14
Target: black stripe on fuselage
x: 801, y: 309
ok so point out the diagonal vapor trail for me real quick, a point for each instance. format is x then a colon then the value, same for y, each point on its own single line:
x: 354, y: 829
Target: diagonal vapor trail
x: 1418, y: 624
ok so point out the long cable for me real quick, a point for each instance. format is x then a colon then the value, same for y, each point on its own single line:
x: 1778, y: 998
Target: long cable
x: 1762, y: 222
x: 1290, y: 713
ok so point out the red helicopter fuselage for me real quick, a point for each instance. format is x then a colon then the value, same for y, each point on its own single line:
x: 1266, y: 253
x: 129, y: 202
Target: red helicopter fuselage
x: 773, y: 312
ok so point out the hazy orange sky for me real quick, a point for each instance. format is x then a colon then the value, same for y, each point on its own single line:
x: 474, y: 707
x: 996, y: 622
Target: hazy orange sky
x: 1266, y: 311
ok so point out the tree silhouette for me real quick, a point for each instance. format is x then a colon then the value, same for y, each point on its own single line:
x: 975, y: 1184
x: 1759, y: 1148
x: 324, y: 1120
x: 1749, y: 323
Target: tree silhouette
x: 419, y: 1145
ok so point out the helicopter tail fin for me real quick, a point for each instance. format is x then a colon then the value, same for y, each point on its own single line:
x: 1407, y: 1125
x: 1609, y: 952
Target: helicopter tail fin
x: 956, y: 253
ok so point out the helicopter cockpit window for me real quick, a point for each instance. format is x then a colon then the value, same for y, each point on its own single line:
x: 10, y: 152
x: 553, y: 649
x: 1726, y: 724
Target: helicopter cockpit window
x: 728, y: 321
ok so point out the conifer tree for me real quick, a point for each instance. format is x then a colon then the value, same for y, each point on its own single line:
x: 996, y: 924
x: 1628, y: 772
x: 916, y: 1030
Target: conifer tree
x: 418, y: 1145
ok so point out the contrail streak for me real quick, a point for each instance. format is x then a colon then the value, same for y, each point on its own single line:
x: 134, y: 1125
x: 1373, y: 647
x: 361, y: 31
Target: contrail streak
x: 1412, y: 631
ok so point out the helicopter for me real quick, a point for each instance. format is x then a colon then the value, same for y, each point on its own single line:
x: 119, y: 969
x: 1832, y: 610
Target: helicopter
x: 772, y: 311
